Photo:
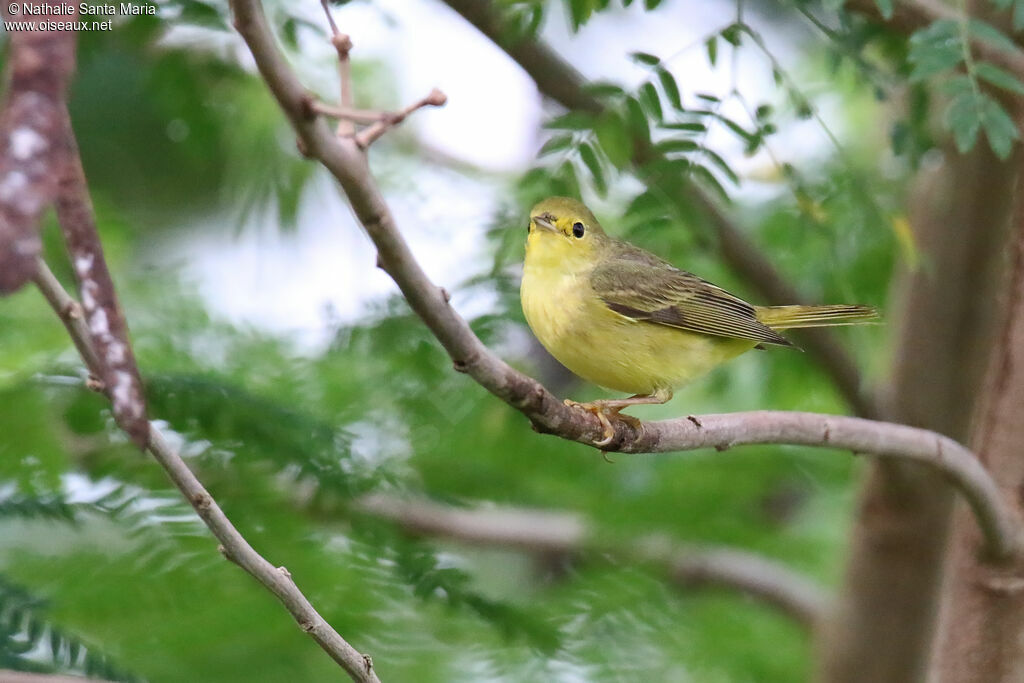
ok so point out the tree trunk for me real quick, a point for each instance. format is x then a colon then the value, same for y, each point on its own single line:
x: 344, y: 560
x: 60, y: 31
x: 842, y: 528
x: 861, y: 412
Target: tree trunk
x: 982, y: 626
x: 885, y: 620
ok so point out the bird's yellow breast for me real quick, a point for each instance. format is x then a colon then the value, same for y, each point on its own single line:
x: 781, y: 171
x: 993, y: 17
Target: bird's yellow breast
x: 602, y: 346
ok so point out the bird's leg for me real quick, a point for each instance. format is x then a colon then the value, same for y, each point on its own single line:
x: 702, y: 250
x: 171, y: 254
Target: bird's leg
x: 606, y: 408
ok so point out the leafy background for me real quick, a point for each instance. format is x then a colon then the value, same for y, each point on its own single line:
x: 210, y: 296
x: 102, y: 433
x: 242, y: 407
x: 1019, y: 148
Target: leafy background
x: 104, y: 570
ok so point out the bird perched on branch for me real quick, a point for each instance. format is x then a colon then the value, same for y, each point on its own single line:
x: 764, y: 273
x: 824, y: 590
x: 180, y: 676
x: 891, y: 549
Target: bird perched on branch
x: 622, y: 318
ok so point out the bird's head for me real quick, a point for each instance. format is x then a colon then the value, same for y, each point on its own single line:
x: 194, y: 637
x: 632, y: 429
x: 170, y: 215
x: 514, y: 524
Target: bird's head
x: 563, y: 233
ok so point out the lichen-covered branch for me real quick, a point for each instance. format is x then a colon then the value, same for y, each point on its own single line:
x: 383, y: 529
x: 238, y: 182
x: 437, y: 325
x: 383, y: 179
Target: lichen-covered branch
x: 108, y: 330
x: 347, y: 162
x: 39, y: 67
x: 544, y: 533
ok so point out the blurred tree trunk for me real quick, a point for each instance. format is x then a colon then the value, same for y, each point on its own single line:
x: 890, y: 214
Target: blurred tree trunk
x: 982, y: 626
x: 885, y: 620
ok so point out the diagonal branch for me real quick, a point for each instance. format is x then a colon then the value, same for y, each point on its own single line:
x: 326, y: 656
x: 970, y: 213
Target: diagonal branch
x: 347, y: 162
x: 559, y: 81
x: 544, y: 533
x: 108, y: 329
x: 233, y: 545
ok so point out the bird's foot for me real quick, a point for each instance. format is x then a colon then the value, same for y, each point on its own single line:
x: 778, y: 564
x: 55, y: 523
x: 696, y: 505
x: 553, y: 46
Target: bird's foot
x: 604, y: 413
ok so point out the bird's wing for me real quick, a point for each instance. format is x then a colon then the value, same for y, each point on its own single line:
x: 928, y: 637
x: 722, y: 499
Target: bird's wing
x: 638, y: 285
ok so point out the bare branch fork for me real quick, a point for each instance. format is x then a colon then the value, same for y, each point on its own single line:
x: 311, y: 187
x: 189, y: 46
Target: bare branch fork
x: 544, y: 533
x: 346, y: 113
x: 346, y: 160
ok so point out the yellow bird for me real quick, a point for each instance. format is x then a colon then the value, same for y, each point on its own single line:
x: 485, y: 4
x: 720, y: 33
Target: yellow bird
x: 622, y: 318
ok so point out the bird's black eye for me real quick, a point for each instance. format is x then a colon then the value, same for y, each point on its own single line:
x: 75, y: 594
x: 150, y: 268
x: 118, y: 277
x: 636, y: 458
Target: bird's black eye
x: 578, y: 230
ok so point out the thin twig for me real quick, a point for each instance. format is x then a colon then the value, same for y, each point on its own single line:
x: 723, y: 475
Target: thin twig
x: 233, y: 545
x: 544, y: 533
x: 342, y: 45
x: 70, y: 313
x: 357, y: 115
x: 348, y: 164
x: 368, y: 135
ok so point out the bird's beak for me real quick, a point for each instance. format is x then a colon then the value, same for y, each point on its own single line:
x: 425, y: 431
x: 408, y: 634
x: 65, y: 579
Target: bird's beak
x: 545, y: 224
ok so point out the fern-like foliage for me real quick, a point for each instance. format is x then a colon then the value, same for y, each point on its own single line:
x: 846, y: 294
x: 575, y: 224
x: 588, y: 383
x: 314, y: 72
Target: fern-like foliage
x: 30, y: 642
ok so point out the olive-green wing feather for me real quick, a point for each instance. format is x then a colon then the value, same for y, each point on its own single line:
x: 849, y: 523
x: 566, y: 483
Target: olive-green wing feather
x: 638, y: 285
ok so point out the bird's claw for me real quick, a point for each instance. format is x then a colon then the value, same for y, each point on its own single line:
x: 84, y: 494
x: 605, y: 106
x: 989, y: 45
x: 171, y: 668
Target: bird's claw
x: 601, y: 413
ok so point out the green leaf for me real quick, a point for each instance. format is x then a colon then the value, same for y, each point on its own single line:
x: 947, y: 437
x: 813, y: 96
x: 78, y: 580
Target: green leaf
x: 731, y: 34
x: 987, y: 33
x: 885, y: 8
x: 573, y: 120
x: 957, y: 84
x: 202, y: 14
x: 677, y: 145
x: 694, y: 126
x: 668, y: 84
x: 604, y: 89
x: 1018, y: 15
x: 637, y: 120
x: 935, y: 49
x: 651, y: 4
x: 763, y: 112
x: 708, y: 178
x: 724, y: 167
x: 707, y: 97
x: 644, y: 58
x: 711, y: 47
x: 1001, y: 78
x: 963, y: 118
x: 1000, y: 129
x: 652, y: 103
x: 579, y: 12
x: 739, y: 130
x: 615, y: 140
x: 593, y: 164
x: 555, y: 144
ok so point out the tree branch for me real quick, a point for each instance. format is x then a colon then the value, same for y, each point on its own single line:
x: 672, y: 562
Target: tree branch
x: 108, y: 329
x: 559, y: 81
x: 233, y: 545
x: 39, y: 68
x: 348, y: 164
x: 543, y: 533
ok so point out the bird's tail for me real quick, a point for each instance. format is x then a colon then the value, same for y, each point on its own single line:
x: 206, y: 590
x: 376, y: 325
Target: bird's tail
x: 789, y: 317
